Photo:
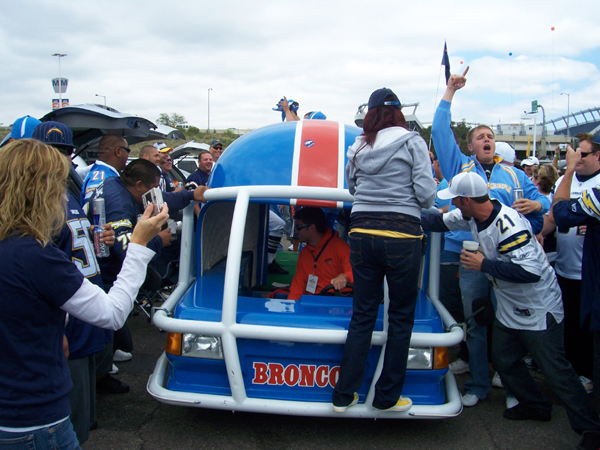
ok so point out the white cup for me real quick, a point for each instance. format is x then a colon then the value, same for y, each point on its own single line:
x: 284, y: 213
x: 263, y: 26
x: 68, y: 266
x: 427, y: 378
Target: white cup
x: 471, y: 246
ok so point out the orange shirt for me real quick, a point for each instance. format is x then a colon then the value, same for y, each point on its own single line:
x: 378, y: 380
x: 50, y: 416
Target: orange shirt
x: 334, y: 260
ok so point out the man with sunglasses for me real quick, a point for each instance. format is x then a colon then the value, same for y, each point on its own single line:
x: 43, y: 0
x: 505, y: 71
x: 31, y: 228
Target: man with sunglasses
x: 326, y: 258
x: 584, y: 174
x: 165, y: 165
x: 216, y: 149
x: 166, y: 183
x: 112, y: 159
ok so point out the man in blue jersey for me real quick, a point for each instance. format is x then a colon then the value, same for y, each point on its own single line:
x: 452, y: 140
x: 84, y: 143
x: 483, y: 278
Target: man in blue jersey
x: 112, y: 159
x: 123, y: 201
x: 165, y: 165
x: 529, y: 314
x: 502, y: 181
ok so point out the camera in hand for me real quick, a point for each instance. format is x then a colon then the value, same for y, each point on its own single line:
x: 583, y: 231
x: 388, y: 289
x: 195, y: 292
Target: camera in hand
x: 155, y: 197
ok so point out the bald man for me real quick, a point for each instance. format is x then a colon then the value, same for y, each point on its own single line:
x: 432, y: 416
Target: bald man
x: 150, y: 153
x: 112, y: 159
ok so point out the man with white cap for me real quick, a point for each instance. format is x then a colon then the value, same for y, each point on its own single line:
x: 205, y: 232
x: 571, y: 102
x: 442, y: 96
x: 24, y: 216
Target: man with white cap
x: 506, y: 152
x: 511, y: 187
x: 529, y: 312
x: 528, y: 164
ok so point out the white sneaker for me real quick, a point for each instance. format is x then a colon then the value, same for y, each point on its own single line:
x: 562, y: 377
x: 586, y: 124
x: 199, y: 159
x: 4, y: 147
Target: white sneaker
x: 496, y: 381
x: 121, y: 356
x: 341, y: 409
x: 511, y: 402
x: 115, y: 370
x: 587, y: 384
x: 470, y: 400
x: 459, y: 366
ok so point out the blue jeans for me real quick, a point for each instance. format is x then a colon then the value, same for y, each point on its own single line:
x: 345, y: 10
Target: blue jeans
x: 548, y: 351
x: 57, y: 437
x: 474, y: 284
x: 373, y: 258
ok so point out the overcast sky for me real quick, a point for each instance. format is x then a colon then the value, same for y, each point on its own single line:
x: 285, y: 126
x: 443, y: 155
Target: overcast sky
x: 151, y: 56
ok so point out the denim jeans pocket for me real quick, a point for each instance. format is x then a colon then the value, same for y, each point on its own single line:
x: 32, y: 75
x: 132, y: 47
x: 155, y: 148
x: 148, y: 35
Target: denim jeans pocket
x: 356, y: 258
x: 400, y: 253
x: 24, y: 441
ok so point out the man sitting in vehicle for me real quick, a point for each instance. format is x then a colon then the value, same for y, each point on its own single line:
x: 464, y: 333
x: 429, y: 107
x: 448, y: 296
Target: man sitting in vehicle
x: 324, y: 261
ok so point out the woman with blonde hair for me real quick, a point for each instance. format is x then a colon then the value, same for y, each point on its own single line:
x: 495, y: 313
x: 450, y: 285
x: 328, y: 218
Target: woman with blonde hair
x: 39, y: 286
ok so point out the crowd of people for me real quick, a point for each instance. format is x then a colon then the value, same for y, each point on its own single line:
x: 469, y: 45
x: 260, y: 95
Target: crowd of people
x: 536, y: 234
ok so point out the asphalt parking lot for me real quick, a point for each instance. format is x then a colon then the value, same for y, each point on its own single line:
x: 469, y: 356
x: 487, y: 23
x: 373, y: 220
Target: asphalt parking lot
x: 137, y: 421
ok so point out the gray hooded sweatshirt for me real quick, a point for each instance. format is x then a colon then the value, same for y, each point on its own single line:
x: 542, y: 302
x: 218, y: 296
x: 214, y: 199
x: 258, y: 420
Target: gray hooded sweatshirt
x: 392, y: 176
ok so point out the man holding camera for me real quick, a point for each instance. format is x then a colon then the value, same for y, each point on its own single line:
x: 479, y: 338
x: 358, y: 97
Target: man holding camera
x: 529, y: 314
x: 569, y: 255
x: 123, y: 200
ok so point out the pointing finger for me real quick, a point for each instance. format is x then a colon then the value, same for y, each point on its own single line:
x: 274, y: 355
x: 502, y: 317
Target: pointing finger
x: 465, y: 72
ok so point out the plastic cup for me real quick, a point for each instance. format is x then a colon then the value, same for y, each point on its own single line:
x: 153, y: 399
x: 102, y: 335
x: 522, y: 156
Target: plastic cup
x: 471, y: 246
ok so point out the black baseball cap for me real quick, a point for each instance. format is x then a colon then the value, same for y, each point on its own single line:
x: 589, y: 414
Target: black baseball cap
x: 384, y: 97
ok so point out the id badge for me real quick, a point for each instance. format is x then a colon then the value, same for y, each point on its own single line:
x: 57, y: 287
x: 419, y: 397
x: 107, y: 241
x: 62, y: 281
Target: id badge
x: 311, y: 285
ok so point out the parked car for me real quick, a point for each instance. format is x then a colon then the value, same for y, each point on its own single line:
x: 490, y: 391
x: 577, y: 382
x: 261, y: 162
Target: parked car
x: 90, y: 123
x: 232, y: 347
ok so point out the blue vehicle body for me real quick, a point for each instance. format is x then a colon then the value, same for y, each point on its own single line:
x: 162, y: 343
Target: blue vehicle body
x: 252, y: 353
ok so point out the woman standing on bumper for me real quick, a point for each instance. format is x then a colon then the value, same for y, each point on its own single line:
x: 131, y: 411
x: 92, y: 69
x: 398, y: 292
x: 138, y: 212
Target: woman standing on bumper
x: 389, y: 174
x: 39, y: 286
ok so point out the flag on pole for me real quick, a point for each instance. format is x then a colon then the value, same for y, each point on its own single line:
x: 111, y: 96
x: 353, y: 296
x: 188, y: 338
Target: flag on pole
x: 446, y: 63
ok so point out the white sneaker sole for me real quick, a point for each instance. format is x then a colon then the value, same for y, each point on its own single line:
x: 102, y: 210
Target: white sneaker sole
x: 341, y: 409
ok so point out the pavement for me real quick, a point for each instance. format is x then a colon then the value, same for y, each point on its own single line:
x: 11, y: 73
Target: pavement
x: 137, y: 421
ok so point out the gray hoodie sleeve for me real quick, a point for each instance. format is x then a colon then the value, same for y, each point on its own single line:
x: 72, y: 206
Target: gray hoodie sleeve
x: 423, y: 181
x: 351, y: 176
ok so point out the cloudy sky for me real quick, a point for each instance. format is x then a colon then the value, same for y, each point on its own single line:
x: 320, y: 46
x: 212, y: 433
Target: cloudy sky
x: 151, y: 56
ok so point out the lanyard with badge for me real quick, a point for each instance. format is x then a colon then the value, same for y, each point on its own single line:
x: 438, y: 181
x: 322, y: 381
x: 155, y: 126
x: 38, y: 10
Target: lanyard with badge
x: 311, y: 284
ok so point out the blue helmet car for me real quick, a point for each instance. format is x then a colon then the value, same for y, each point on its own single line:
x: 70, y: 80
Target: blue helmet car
x: 230, y: 346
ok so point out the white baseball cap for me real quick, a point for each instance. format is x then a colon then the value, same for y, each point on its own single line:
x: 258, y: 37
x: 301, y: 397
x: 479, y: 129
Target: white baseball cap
x: 531, y: 161
x: 505, y: 151
x: 465, y: 184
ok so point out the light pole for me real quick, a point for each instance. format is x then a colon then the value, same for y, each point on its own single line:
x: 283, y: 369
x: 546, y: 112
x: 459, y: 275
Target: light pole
x: 104, y: 97
x: 543, y: 140
x: 526, y: 117
x: 208, y: 127
x: 568, y: 111
x: 59, y: 55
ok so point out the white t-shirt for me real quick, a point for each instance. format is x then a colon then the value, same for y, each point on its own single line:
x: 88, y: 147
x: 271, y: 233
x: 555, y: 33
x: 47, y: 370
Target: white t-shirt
x: 569, y: 245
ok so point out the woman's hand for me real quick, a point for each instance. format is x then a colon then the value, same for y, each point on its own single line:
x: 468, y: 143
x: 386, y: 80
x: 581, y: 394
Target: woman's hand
x: 148, y: 226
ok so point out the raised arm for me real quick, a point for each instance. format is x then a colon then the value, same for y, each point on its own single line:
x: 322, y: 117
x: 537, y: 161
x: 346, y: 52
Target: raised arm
x: 455, y: 82
x: 449, y: 155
